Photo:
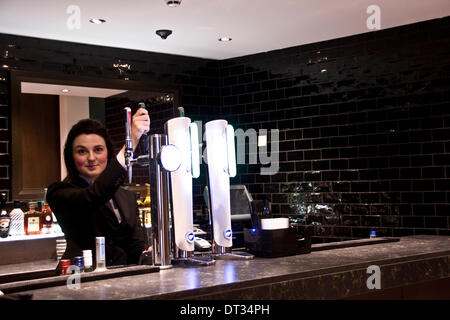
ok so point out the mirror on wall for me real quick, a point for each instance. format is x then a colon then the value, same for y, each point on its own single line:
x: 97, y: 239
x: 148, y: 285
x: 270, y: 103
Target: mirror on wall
x: 43, y: 109
x: 46, y: 112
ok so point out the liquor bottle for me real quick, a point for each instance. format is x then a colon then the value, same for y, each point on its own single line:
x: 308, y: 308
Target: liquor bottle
x: 139, y: 206
x: 5, y: 218
x: 17, y: 217
x: 33, y: 220
x: 146, y: 208
x: 47, y: 215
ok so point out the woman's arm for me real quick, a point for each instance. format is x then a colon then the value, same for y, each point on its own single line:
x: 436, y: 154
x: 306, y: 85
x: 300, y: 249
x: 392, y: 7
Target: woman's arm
x: 68, y: 198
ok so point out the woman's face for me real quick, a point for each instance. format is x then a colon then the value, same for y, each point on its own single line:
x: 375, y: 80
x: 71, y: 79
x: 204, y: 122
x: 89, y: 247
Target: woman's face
x: 90, y: 155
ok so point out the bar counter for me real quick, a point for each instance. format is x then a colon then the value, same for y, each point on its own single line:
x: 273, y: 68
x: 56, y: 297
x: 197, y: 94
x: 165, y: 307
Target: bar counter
x: 410, y: 267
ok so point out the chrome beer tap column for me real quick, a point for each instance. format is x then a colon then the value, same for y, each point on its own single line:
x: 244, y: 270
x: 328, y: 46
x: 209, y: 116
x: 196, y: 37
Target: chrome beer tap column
x: 161, y: 153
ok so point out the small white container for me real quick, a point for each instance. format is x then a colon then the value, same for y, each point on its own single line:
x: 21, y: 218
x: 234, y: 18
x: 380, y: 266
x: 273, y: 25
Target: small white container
x: 274, y: 223
x: 100, y: 254
x: 87, y: 255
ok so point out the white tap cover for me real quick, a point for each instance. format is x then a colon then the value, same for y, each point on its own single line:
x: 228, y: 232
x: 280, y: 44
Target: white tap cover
x: 219, y: 180
x: 181, y: 183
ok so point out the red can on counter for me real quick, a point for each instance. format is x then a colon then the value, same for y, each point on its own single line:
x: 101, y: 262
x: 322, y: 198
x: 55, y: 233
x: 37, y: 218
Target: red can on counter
x: 64, y: 265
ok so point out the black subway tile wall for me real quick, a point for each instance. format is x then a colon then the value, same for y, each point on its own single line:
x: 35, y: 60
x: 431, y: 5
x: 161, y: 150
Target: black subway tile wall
x: 196, y: 79
x: 363, y: 121
x: 363, y: 130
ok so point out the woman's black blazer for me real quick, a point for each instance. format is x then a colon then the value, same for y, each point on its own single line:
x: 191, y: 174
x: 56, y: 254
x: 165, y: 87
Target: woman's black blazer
x: 83, y: 212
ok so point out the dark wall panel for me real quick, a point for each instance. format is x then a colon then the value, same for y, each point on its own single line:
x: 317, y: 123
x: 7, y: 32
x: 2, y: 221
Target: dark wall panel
x: 364, y: 129
x: 364, y: 121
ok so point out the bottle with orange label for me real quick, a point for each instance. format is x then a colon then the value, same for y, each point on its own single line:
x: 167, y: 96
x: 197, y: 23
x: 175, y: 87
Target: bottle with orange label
x: 47, y: 217
x: 146, y: 208
x: 139, y: 205
x: 33, y: 220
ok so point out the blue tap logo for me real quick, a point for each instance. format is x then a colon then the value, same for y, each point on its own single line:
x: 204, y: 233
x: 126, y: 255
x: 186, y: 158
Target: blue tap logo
x: 190, y: 237
x: 227, y: 234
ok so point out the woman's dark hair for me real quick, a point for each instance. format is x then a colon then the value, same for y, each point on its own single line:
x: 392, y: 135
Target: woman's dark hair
x: 85, y: 126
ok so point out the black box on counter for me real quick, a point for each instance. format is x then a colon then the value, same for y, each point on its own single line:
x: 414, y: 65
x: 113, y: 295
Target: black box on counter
x: 277, y: 243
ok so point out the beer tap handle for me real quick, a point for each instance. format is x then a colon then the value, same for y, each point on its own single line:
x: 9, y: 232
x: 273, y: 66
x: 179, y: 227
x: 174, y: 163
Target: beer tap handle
x: 128, y: 145
x: 144, y: 141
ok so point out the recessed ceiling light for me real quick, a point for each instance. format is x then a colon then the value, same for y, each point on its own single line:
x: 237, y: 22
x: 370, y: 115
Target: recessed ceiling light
x: 173, y: 3
x: 225, y: 39
x: 5, y: 66
x: 65, y: 90
x: 97, y: 21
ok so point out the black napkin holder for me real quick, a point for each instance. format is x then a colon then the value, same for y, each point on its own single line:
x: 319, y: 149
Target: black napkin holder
x: 277, y: 243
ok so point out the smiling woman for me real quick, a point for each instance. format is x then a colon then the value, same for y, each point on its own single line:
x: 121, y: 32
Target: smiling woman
x: 87, y: 150
x: 89, y: 202
x: 90, y: 155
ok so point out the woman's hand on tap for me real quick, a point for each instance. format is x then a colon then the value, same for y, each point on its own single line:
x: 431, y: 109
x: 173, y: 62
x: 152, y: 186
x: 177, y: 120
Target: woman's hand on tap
x: 149, y: 249
x: 140, y: 125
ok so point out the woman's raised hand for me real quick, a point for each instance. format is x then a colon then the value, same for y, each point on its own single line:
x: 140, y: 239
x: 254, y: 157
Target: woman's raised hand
x: 140, y: 125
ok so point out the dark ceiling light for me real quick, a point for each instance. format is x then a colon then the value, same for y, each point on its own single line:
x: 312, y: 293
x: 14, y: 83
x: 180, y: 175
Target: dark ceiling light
x: 163, y: 33
x: 97, y: 21
x: 225, y: 39
x: 173, y: 3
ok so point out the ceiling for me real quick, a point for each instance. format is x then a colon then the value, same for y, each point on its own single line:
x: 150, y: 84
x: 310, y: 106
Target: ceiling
x: 65, y: 90
x: 254, y: 25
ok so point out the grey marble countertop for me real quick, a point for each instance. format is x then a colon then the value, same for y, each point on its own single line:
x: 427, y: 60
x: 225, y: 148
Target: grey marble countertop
x: 28, y: 266
x: 332, y: 273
